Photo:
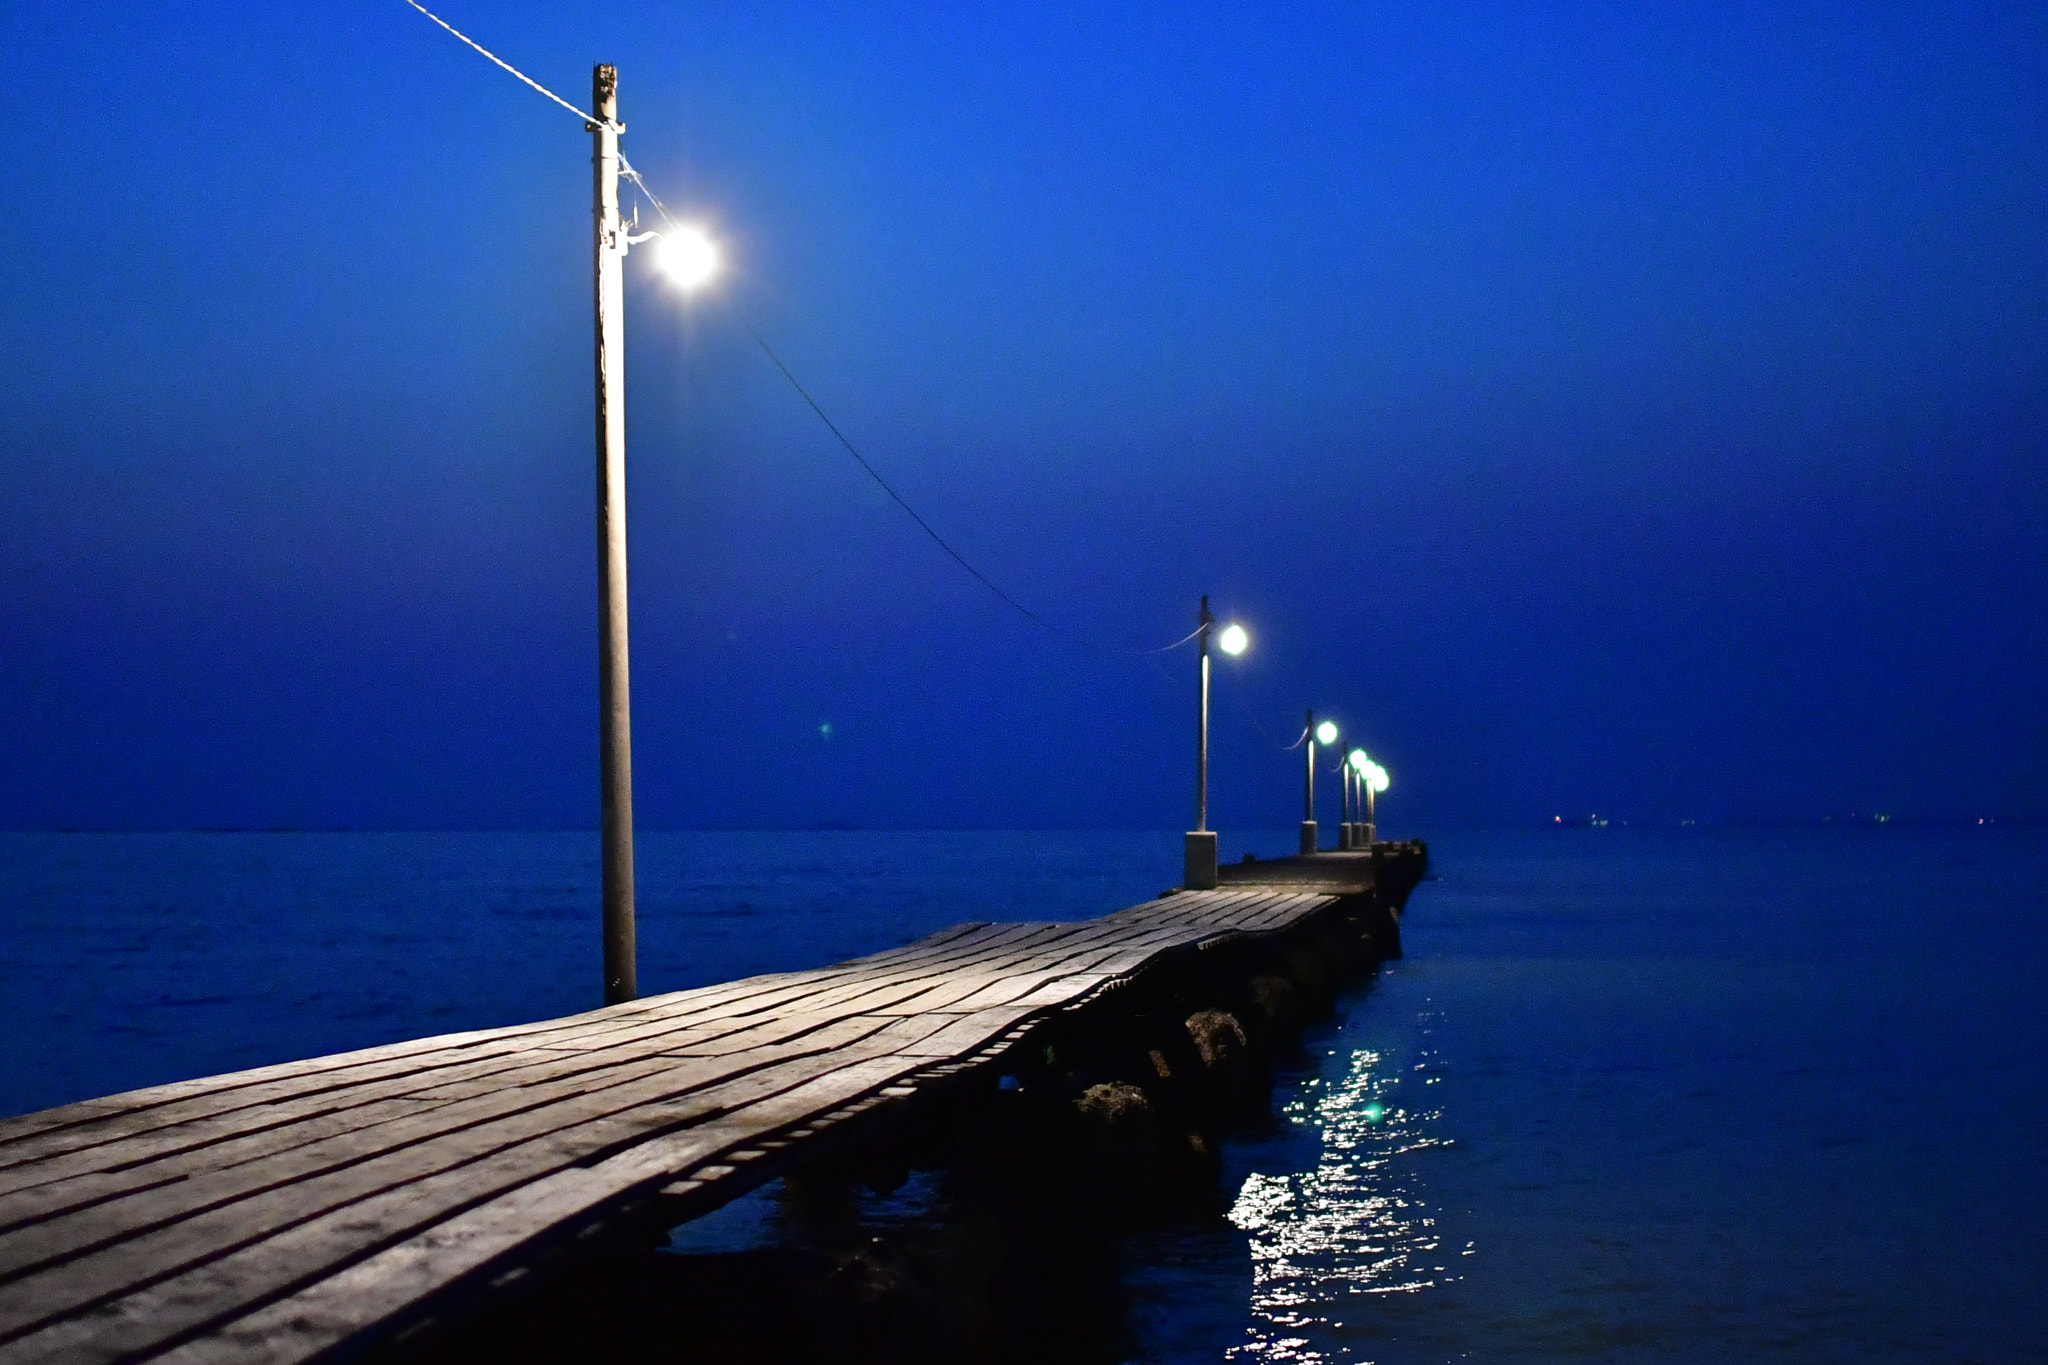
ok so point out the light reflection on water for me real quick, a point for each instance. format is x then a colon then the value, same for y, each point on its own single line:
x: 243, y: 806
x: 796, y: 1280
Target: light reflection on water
x: 1356, y: 1223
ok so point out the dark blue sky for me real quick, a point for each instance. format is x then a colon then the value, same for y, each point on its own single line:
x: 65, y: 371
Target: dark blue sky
x: 1595, y: 407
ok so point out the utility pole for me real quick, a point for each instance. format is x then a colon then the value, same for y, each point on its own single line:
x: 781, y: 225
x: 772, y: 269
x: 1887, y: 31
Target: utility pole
x: 615, y: 701
x: 1203, y: 622
x: 1199, y: 861
x: 1308, y: 800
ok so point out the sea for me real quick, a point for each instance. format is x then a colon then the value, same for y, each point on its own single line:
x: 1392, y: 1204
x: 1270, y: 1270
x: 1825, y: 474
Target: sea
x: 1671, y: 1094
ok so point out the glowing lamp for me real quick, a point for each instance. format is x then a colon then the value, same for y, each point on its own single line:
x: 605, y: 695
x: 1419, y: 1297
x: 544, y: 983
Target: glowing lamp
x: 1233, y: 640
x: 687, y: 256
x: 1378, y: 778
x: 1358, y: 761
x: 1326, y: 733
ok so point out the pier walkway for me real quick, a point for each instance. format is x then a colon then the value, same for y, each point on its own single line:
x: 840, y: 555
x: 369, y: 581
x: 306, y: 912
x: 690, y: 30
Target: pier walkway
x: 327, y: 1206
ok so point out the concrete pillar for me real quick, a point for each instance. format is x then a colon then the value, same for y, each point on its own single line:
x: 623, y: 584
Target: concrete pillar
x: 1200, y: 873
x: 1308, y: 836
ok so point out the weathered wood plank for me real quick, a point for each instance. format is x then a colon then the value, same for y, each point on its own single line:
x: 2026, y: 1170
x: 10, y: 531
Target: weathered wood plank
x: 215, y: 1145
x: 251, y: 1271
x: 320, y: 1073
x: 252, y: 1109
x: 333, y: 1309
x: 142, y: 1230
x: 283, y: 1210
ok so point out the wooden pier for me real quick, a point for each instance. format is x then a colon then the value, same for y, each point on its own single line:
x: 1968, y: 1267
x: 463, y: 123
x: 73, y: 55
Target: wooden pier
x: 347, y: 1205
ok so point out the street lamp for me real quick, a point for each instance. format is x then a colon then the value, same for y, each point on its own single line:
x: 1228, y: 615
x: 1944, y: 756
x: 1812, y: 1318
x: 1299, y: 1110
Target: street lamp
x: 690, y: 258
x: 1199, y: 863
x: 1325, y: 733
x: 687, y: 255
x: 1372, y: 779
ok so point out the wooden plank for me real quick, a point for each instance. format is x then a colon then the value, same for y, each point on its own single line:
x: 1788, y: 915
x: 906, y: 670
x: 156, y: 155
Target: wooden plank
x: 100, y: 1171
x: 250, y: 1272
x: 942, y: 992
x: 279, y: 1209
x: 214, y: 1094
x: 157, y: 1221
x: 385, y: 1285
x: 1008, y: 988
x: 965, y: 1034
x: 185, y: 1194
x: 855, y: 988
x: 497, y: 1070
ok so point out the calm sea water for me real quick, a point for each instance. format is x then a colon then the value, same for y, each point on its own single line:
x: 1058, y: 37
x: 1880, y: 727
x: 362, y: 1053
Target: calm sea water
x: 1681, y: 1095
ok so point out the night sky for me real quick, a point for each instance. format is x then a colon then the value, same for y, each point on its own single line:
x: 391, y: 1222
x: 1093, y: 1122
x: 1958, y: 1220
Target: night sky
x: 1632, y: 409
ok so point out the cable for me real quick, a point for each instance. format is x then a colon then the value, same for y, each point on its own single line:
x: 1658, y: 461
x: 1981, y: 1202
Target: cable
x: 587, y: 118
x: 1237, y: 697
x: 875, y: 474
x: 632, y: 174
x: 1176, y: 644
x: 626, y: 169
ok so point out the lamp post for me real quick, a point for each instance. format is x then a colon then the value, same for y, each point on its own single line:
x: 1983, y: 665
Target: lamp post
x: 1199, y: 858
x: 692, y: 264
x: 615, y: 707
x: 1344, y: 826
x: 1372, y: 779
x: 1327, y: 734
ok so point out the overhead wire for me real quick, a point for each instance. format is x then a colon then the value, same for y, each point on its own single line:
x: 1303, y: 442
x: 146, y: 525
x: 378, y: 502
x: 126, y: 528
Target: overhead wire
x: 886, y: 487
x: 639, y: 182
x: 810, y: 400
x: 587, y: 118
x: 1177, y: 643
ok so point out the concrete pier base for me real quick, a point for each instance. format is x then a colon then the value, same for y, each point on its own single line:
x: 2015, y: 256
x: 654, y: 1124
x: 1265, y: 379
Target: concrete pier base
x: 1308, y: 836
x: 1200, y: 867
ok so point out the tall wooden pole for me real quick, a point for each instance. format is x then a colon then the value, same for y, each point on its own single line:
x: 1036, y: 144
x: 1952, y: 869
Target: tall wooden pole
x: 615, y: 702
x: 1308, y: 794
x: 1308, y: 797
x: 1202, y: 752
x: 1200, y: 864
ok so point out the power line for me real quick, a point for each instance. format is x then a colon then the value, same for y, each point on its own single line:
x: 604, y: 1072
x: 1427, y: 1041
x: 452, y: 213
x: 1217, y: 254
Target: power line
x: 876, y: 475
x: 926, y: 526
x: 627, y: 169
x: 587, y: 118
